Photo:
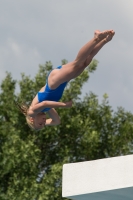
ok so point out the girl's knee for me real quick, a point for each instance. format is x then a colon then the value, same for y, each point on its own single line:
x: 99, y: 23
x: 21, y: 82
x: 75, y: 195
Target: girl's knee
x: 78, y: 64
x: 88, y: 61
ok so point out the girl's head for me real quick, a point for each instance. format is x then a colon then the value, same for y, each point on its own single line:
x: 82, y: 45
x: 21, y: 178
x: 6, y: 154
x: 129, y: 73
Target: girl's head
x: 37, y: 122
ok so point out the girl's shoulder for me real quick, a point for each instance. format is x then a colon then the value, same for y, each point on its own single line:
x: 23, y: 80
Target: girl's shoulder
x: 31, y: 107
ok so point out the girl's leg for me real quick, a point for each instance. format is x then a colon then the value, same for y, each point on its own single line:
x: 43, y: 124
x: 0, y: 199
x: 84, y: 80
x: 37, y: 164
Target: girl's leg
x: 97, y: 48
x: 91, y: 55
x: 88, y: 48
x: 95, y: 51
x: 70, y: 70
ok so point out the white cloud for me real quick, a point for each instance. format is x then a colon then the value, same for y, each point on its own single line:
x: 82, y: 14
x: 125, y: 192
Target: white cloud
x: 16, y: 58
x: 14, y: 48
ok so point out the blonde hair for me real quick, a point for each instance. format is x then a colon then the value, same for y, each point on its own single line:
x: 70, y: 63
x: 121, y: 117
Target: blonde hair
x: 23, y: 108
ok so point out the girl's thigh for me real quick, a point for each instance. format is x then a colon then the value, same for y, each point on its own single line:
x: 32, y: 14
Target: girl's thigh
x: 65, y: 74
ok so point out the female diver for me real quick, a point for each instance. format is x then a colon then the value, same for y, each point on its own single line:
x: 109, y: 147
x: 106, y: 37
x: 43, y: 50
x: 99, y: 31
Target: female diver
x: 48, y: 97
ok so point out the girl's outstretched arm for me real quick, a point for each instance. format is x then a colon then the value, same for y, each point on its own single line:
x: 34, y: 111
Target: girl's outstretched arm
x: 34, y: 110
x: 54, y: 118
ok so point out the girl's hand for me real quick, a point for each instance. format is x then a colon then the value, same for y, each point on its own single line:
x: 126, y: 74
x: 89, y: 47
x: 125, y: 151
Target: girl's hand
x: 68, y: 104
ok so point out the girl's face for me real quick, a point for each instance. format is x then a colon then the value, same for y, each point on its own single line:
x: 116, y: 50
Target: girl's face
x: 39, y: 120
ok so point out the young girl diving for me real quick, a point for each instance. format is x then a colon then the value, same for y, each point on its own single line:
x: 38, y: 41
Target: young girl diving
x: 47, y: 99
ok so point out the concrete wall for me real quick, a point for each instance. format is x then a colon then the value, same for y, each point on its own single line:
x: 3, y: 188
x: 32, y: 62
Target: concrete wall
x: 99, y: 179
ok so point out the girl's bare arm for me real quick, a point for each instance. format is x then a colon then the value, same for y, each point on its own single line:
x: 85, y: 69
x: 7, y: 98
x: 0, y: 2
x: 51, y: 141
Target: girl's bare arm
x: 54, y: 118
x: 34, y: 110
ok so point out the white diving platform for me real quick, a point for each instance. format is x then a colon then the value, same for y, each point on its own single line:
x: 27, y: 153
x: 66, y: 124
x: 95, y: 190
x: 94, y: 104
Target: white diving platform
x: 103, y: 179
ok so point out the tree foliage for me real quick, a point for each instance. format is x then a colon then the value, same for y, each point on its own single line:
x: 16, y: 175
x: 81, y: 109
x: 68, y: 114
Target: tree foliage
x: 31, y: 162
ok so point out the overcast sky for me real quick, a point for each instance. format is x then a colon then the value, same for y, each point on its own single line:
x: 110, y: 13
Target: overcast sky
x: 35, y: 31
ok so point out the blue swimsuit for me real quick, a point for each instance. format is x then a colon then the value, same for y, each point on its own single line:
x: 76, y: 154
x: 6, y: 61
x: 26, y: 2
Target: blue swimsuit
x: 51, y: 95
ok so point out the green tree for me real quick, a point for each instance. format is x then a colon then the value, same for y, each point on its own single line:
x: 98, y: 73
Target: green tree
x: 31, y: 162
